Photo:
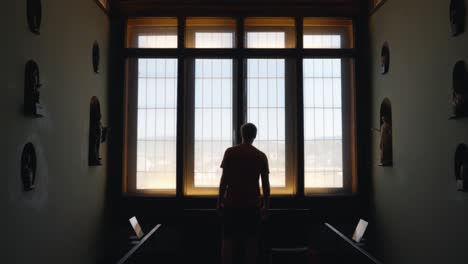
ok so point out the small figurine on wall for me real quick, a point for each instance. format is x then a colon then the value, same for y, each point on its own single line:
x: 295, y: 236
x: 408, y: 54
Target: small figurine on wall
x: 28, y: 167
x: 97, y: 133
x: 385, y: 59
x: 461, y: 167
x: 385, y: 132
x: 32, y: 105
x: 34, y: 14
x: 96, y: 57
x: 457, y: 17
x: 460, y: 93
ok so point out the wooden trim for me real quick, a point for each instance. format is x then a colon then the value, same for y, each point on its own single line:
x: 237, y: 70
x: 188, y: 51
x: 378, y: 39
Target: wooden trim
x: 300, y: 108
x: 241, y: 82
x: 353, y: 244
x: 125, y: 154
x: 291, y: 9
x: 375, y: 7
x: 181, y: 92
x: 104, y: 7
x: 353, y: 129
x: 137, y: 246
x: 239, y: 53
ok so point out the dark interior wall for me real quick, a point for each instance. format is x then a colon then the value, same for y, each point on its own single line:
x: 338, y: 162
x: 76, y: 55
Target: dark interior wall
x: 420, y: 216
x: 61, y: 221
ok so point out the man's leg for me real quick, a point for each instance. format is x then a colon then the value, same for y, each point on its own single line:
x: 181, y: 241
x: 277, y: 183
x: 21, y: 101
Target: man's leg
x: 227, y: 251
x: 251, y: 249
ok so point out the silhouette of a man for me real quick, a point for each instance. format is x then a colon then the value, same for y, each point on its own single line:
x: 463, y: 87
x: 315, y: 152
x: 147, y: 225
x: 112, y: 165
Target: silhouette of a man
x: 239, y: 200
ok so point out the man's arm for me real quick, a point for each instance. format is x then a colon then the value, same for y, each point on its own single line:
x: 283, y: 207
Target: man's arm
x: 266, y: 193
x: 222, y: 191
x: 223, y: 181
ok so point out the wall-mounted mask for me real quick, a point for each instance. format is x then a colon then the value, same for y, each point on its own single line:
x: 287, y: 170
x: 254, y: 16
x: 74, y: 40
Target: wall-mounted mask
x: 96, y: 57
x: 28, y: 167
x: 385, y: 59
x: 34, y: 14
x: 460, y: 87
x: 32, y: 85
x: 457, y: 16
x: 97, y: 133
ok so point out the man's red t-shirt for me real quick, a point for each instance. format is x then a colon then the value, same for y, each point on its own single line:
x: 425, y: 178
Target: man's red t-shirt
x: 242, y: 166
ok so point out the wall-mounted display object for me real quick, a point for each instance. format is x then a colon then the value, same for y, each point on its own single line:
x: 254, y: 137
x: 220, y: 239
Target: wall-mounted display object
x: 385, y: 58
x: 28, y: 167
x: 461, y: 167
x: 97, y: 133
x: 386, y: 144
x: 32, y: 95
x: 457, y: 16
x: 460, y: 91
x: 104, y: 5
x: 34, y: 15
x: 96, y: 57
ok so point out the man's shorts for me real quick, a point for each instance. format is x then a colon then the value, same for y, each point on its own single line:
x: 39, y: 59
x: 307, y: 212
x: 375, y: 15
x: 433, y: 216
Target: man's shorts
x: 240, y: 222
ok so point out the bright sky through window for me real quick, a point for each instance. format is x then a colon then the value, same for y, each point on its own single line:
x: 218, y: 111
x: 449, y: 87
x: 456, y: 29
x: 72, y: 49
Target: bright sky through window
x: 323, y: 140
x: 157, y: 119
x: 160, y: 41
x: 322, y: 41
x: 266, y: 109
x: 214, y: 40
x: 268, y: 40
x: 213, y: 118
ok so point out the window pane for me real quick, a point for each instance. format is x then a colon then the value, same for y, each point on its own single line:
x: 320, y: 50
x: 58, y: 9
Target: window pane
x: 322, y: 41
x: 270, y: 33
x: 152, y: 33
x: 265, y: 108
x: 328, y: 33
x: 157, y: 119
x: 210, y: 32
x: 214, y: 40
x: 323, y: 142
x: 269, y: 40
x: 213, y: 119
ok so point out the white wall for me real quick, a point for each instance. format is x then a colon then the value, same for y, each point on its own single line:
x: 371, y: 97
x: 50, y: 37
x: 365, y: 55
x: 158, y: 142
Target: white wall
x: 62, y: 220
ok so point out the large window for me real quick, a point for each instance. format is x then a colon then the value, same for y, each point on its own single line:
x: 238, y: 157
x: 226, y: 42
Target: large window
x: 186, y: 102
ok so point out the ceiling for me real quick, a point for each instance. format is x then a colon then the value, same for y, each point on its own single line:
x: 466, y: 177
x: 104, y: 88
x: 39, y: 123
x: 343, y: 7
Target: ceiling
x: 238, y: 7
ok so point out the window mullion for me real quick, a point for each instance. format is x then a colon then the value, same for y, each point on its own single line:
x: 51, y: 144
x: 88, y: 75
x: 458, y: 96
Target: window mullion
x: 240, y: 105
x: 300, y: 107
x: 180, y: 108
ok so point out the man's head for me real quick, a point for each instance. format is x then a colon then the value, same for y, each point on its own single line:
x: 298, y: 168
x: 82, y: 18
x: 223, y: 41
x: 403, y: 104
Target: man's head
x: 248, y: 132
